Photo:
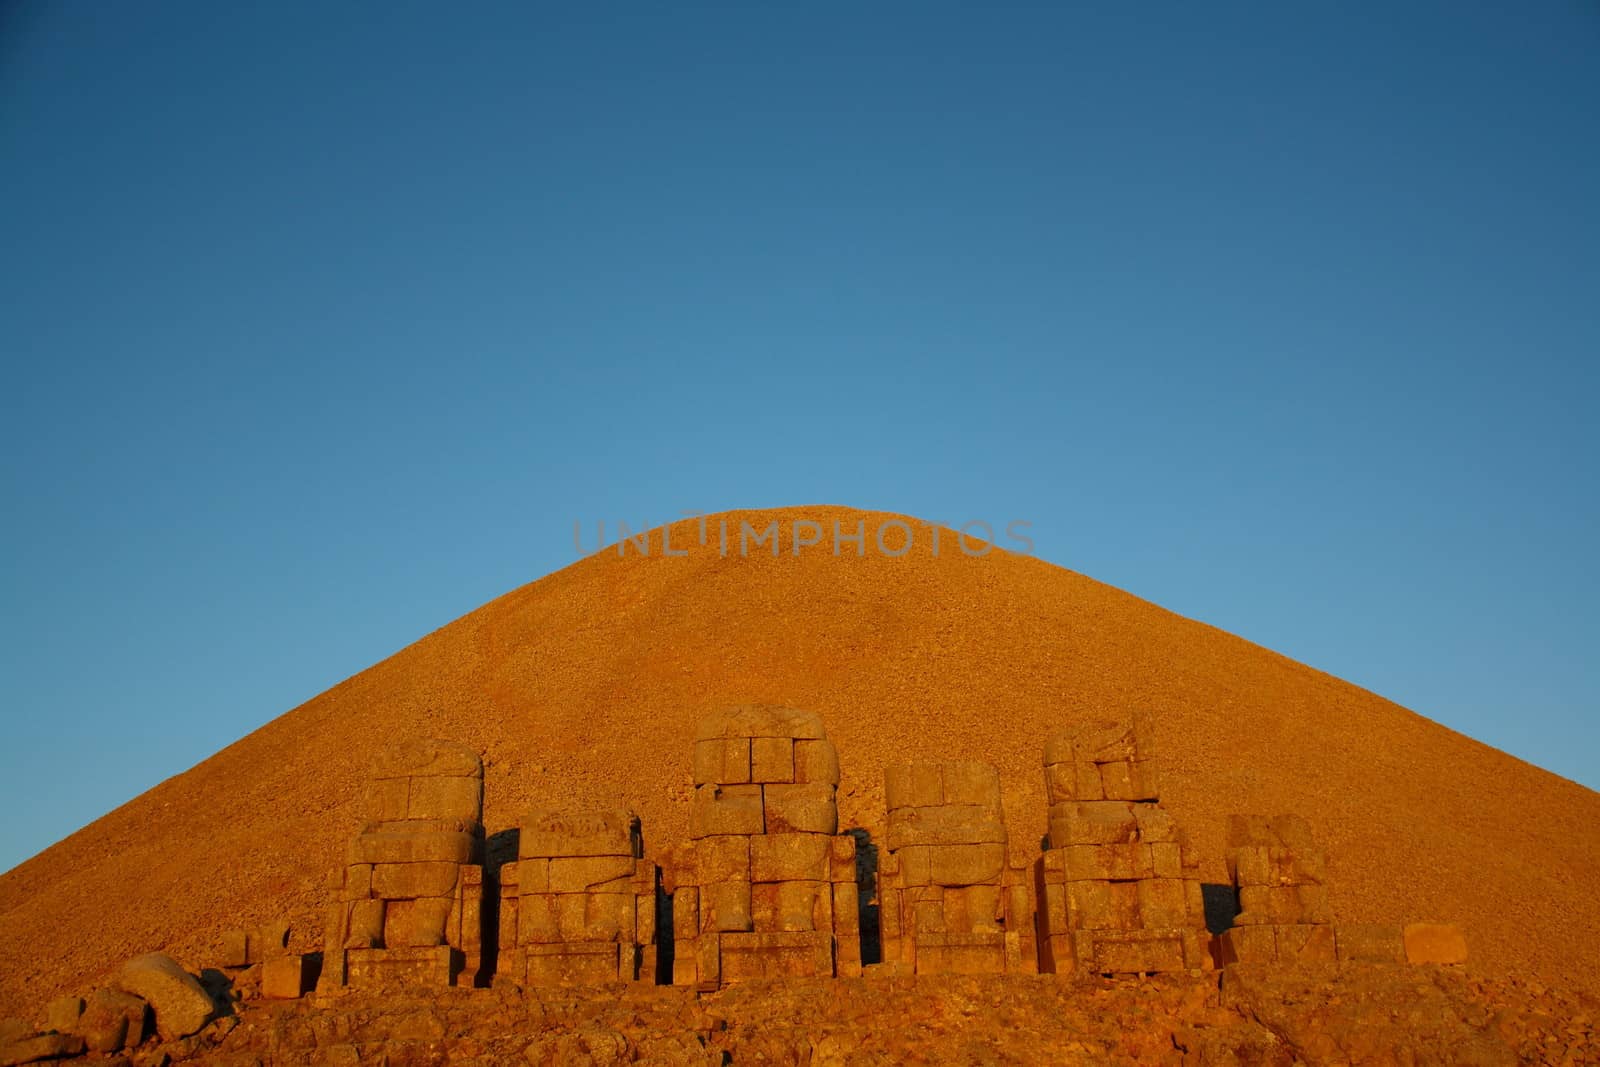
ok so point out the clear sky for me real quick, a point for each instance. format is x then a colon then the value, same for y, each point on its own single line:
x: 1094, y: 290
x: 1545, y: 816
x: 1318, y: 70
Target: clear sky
x: 322, y: 323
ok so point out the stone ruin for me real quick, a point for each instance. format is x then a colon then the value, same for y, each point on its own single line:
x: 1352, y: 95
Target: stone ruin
x: 948, y: 900
x: 1120, y: 882
x: 1279, y: 877
x: 766, y: 885
x: 410, y: 896
x: 579, y: 903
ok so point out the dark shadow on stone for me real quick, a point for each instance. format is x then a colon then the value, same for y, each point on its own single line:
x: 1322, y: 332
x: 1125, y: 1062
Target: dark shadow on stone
x: 1222, y: 906
x: 1047, y: 956
x: 1044, y: 842
x: 666, y: 936
x: 219, y: 987
x: 313, y: 969
x: 866, y: 894
x: 499, y: 848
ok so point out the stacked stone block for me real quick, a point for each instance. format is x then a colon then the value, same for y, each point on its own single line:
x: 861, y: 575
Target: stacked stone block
x: 579, y: 904
x: 948, y: 900
x: 1121, y: 883
x: 766, y: 886
x: 1280, y: 877
x: 410, y: 896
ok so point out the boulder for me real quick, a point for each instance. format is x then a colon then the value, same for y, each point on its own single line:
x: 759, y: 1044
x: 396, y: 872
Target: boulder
x: 61, y: 1015
x: 29, y: 1047
x: 112, y: 1020
x: 181, y: 1004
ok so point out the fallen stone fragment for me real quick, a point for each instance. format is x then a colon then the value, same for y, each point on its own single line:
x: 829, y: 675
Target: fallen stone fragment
x: 61, y: 1015
x: 112, y: 1020
x: 284, y: 978
x: 180, y: 1003
x: 30, y: 1048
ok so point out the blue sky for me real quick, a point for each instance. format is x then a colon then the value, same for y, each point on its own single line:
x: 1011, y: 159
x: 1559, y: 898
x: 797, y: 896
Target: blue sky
x: 322, y: 323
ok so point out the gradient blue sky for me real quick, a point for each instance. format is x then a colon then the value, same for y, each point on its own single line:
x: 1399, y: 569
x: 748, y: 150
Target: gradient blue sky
x: 321, y: 323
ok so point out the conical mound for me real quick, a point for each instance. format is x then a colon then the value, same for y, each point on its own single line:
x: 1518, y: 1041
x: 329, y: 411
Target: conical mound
x: 586, y: 685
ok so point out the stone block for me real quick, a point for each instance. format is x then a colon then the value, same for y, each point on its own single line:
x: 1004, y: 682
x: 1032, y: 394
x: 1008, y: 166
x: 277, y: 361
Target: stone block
x: 1156, y: 826
x: 427, y: 757
x: 971, y: 782
x: 725, y: 907
x: 954, y: 953
x: 364, y: 928
x: 533, y: 875
x: 685, y: 964
x: 63, y: 1014
x: 912, y: 785
x: 1305, y: 943
x: 607, y: 917
x: 29, y: 1047
x: 720, y: 810
x: 1435, y: 943
x: 644, y: 919
x: 1108, y: 862
x: 180, y: 1004
x: 722, y: 761
x: 775, y: 955
x: 846, y: 909
x: 357, y: 882
x: 842, y: 858
x: 387, y: 799
x: 713, y: 859
x: 1092, y: 823
x: 1284, y: 904
x: 789, y: 906
x: 575, y: 963
x: 1138, y: 952
x: 416, y: 923
x: 408, y: 881
x: 944, y: 824
x: 790, y: 857
x: 973, y: 909
x: 1247, y: 944
x: 808, y: 808
x: 1092, y: 905
x: 816, y: 761
x: 551, y: 832
x: 400, y: 968
x: 771, y: 760
x: 1099, y: 740
x: 1162, y: 902
x: 954, y: 865
x: 685, y: 914
x: 708, y: 960
x: 284, y: 977
x: 1369, y: 943
x: 581, y: 874
x: 914, y: 863
x: 445, y: 798
x: 235, y: 950
x: 761, y: 721
x: 1166, y: 859
x: 113, y: 1020
x: 408, y: 846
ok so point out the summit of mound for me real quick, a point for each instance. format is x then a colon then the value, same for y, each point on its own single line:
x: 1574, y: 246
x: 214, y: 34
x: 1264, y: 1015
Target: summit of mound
x: 585, y: 686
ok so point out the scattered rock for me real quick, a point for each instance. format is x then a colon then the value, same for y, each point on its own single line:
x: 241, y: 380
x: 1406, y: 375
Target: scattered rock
x: 180, y: 1003
x: 113, y: 1020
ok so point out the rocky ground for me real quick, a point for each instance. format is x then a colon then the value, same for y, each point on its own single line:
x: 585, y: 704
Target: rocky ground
x: 1356, y: 1014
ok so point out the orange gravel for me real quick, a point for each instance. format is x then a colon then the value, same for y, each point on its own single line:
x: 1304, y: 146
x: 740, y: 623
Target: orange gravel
x: 585, y: 686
